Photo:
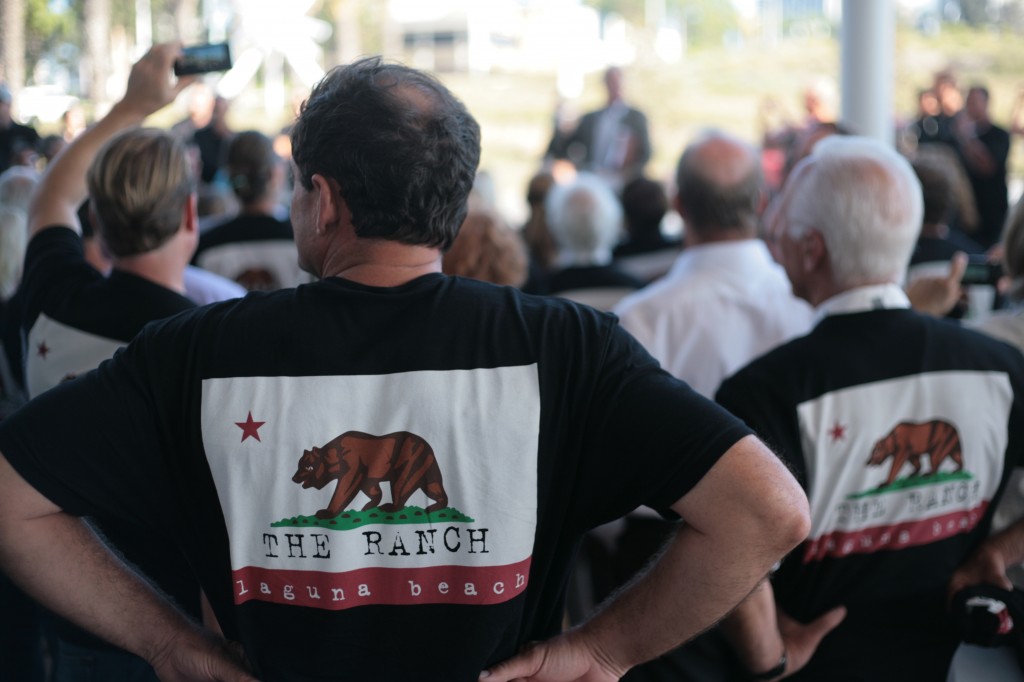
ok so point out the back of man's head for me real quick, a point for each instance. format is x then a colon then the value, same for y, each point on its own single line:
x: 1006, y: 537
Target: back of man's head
x: 644, y: 204
x: 865, y: 200
x: 585, y: 219
x: 719, y: 184
x: 251, y: 162
x: 139, y: 185
x: 402, y: 148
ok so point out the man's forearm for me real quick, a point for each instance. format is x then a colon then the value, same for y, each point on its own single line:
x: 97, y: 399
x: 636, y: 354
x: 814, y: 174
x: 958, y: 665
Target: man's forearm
x: 742, y: 517
x: 60, y: 562
x: 697, y: 580
x: 752, y: 630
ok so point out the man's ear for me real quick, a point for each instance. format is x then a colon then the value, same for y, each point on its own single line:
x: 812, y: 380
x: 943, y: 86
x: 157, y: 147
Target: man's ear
x: 331, y: 207
x: 813, y: 251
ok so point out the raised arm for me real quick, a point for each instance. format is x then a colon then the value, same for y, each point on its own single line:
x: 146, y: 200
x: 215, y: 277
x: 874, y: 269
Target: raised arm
x: 62, y: 189
x: 38, y: 542
x: 741, y: 518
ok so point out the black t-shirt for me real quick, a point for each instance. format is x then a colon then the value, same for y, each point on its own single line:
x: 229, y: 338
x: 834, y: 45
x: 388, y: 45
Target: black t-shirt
x: 517, y: 423
x: 74, y: 318
x: 853, y: 406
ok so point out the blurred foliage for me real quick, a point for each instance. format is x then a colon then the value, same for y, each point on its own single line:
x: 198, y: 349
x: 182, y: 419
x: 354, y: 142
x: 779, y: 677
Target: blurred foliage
x: 49, y: 25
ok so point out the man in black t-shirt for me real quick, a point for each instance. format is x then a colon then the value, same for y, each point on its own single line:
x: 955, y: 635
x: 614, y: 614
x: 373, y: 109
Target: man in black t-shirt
x: 902, y: 428
x: 385, y: 474
x: 141, y: 193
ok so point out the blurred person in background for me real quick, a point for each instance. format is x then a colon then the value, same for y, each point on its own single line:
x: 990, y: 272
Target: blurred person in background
x: 646, y: 252
x: 725, y: 301
x: 73, y: 122
x: 213, y: 139
x: 487, y: 250
x: 612, y: 142
x: 17, y: 142
x: 540, y: 245
x: 256, y: 248
x: 984, y: 148
x: 585, y: 219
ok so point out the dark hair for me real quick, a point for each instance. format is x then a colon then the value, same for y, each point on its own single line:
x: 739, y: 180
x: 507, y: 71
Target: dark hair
x: 981, y: 89
x: 402, y: 148
x: 936, y: 188
x: 644, y: 203
x: 250, y: 163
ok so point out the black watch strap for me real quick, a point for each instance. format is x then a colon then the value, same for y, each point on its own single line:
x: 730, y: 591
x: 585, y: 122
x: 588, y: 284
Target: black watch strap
x: 779, y: 669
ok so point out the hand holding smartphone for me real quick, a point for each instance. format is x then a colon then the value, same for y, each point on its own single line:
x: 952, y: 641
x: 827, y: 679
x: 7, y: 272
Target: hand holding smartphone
x: 203, y: 59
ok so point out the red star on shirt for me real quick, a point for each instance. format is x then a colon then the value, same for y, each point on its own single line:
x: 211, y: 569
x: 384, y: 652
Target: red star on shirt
x: 43, y: 349
x: 838, y: 432
x: 250, y: 428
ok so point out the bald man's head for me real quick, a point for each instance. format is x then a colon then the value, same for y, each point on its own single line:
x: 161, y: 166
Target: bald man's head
x: 719, y: 184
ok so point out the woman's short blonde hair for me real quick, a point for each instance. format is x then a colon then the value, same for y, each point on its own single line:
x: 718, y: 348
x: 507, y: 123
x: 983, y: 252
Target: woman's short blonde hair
x: 138, y: 186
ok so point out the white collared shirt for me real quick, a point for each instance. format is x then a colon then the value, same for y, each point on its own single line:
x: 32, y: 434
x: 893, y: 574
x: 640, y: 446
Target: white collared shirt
x: 862, y: 299
x: 719, y: 307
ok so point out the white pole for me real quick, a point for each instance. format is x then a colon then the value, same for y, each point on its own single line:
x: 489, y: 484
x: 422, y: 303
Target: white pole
x: 868, y: 38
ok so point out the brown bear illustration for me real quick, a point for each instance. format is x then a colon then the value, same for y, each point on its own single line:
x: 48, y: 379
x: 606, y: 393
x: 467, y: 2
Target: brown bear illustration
x: 361, y: 462
x: 910, y: 442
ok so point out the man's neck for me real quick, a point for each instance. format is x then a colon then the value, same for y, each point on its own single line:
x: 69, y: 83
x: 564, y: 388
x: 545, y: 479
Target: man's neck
x: 382, y: 263
x: 829, y: 289
x: 264, y: 206
x: 156, y: 268
x: 692, y: 238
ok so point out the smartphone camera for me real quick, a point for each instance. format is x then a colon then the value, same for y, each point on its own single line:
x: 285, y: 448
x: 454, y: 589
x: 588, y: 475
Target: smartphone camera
x: 203, y: 59
x: 982, y: 271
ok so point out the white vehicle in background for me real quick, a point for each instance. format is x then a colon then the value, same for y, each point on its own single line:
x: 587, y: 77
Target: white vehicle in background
x: 36, y: 104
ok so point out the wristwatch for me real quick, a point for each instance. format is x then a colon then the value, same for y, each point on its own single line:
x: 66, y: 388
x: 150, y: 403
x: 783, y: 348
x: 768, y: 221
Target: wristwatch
x: 779, y: 669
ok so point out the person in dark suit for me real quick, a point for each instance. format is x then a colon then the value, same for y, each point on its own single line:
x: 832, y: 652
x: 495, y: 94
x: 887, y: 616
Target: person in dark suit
x: 612, y: 142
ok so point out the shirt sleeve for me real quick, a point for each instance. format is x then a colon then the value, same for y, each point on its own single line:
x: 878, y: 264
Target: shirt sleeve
x: 93, y: 445
x: 54, y: 258
x: 651, y: 437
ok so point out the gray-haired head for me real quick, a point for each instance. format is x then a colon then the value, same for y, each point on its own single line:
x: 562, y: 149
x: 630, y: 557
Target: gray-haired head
x: 865, y: 201
x: 585, y: 218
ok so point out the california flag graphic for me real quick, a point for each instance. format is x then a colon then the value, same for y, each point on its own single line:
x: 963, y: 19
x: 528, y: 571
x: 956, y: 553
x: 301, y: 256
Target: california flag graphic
x: 903, y: 462
x: 408, y: 488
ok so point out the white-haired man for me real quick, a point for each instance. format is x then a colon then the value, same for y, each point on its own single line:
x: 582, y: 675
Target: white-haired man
x: 725, y: 301
x: 896, y: 424
x: 585, y: 219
